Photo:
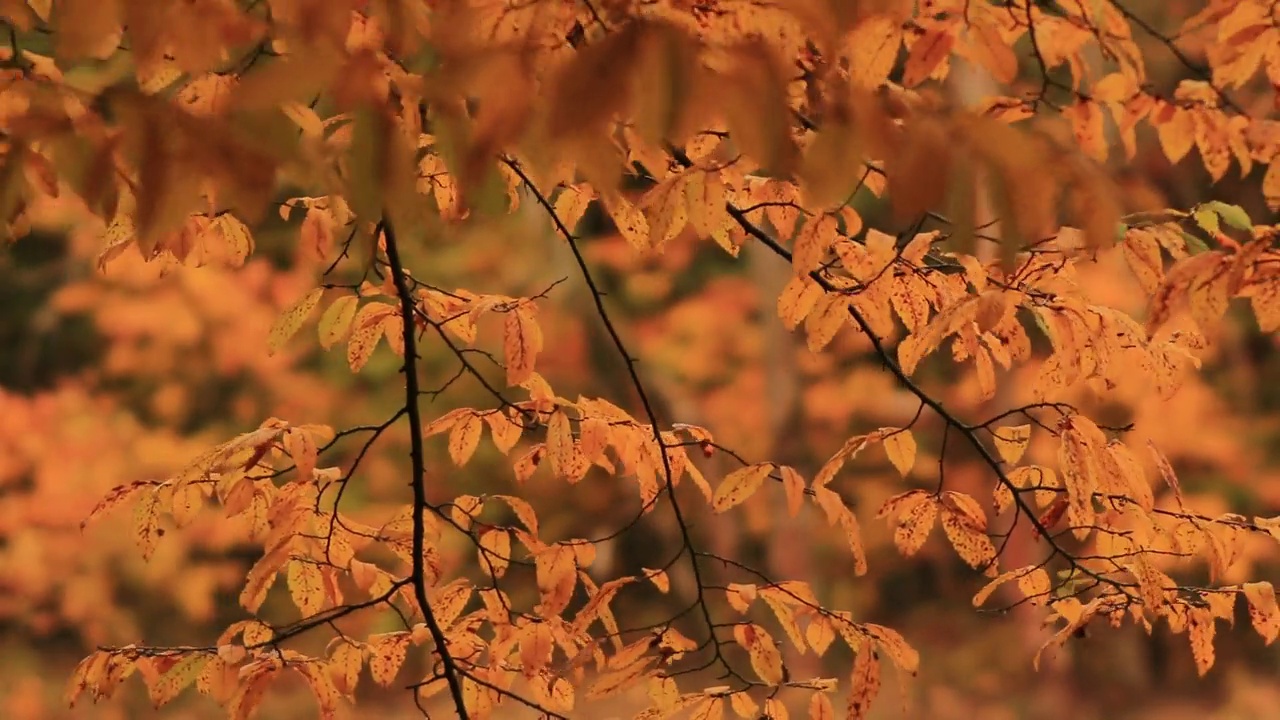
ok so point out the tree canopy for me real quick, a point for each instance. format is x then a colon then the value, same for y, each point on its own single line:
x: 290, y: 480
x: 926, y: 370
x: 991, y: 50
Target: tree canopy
x: 578, y: 358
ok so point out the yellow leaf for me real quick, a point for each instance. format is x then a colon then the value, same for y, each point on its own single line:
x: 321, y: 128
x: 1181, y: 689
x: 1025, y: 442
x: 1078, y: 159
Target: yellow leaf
x: 864, y: 683
x: 521, y: 343
x: 306, y: 587
x: 557, y: 574
x: 495, y: 551
x: 740, y: 485
x: 344, y: 666
x: 740, y: 596
x: 659, y: 579
x: 765, y: 657
x: 927, y: 52
x: 505, y: 431
x: 705, y: 194
x: 464, y: 439
x: 1032, y: 581
x: 289, y: 322
x: 775, y: 710
x: 1200, y: 631
x: 146, y: 523
x: 829, y: 315
x: 1011, y: 442
x: 251, y: 687
x: 914, y: 527
x: 335, y: 323
x: 812, y: 243
x: 872, y: 49
x: 901, y: 503
x: 366, y: 331
x: 572, y: 203
x: 177, y: 678
x: 819, y: 635
x: 820, y: 707
x: 239, y: 242
x: 971, y: 544
x: 1175, y: 128
x: 797, y: 300
x: 566, y: 458
x: 901, y: 449
x: 630, y: 222
x: 322, y: 687
x: 387, y: 652
x: 744, y: 705
x: 793, y: 487
x: 1263, y: 612
x: 619, y: 680
x: 895, y: 646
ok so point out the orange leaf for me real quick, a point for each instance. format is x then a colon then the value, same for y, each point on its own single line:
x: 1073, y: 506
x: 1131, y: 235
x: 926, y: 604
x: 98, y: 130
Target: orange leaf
x: 740, y: 485
x: 464, y: 439
x: 901, y: 448
x: 290, y: 321
x: 927, y: 53
x: 336, y: 321
x: 765, y: 657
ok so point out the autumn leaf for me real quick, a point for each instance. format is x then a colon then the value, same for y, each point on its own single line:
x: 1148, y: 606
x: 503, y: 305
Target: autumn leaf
x: 522, y: 341
x: 386, y: 654
x: 464, y: 438
x: 290, y: 321
x: 739, y: 485
x: 765, y: 658
x: 306, y: 586
x: 901, y: 448
x: 178, y: 678
x: 1011, y: 442
x: 336, y: 321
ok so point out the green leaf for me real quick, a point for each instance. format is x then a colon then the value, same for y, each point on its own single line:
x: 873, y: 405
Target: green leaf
x: 1195, y: 245
x: 1232, y: 215
x: 1207, y: 219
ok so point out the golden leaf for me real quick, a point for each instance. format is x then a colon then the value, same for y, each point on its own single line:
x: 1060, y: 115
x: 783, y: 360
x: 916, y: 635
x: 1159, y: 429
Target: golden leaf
x: 1200, y: 631
x: 177, y: 678
x: 557, y: 575
x: 914, y: 527
x: 971, y: 544
x: 1263, y: 612
x: 793, y: 487
x: 495, y: 551
x: 864, y: 683
x: 464, y: 438
x: 766, y: 660
x: 813, y: 242
x: 1011, y: 442
x: 290, y: 321
x: 387, y: 652
x: 820, y: 707
x: 336, y: 321
x: 306, y: 586
x: 522, y: 341
x: 901, y: 449
x: 927, y: 53
x: 740, y: 485
x: 797, y: 299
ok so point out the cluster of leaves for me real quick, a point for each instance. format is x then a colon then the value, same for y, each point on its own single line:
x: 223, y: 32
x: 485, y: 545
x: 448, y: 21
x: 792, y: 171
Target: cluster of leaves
x: 379, y: 126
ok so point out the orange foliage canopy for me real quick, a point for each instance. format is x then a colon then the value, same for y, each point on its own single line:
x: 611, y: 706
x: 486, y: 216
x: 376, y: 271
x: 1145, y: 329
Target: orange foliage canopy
x: 377, y: 128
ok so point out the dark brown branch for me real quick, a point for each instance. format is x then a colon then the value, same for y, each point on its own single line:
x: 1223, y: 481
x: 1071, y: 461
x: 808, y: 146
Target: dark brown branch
x: 417, y: 459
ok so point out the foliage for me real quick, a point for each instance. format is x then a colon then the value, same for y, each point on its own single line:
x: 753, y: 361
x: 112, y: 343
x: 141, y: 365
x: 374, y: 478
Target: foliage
x: 327, y: 159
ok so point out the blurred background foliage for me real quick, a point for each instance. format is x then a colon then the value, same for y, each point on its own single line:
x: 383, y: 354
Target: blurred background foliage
x: 110, y: 378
